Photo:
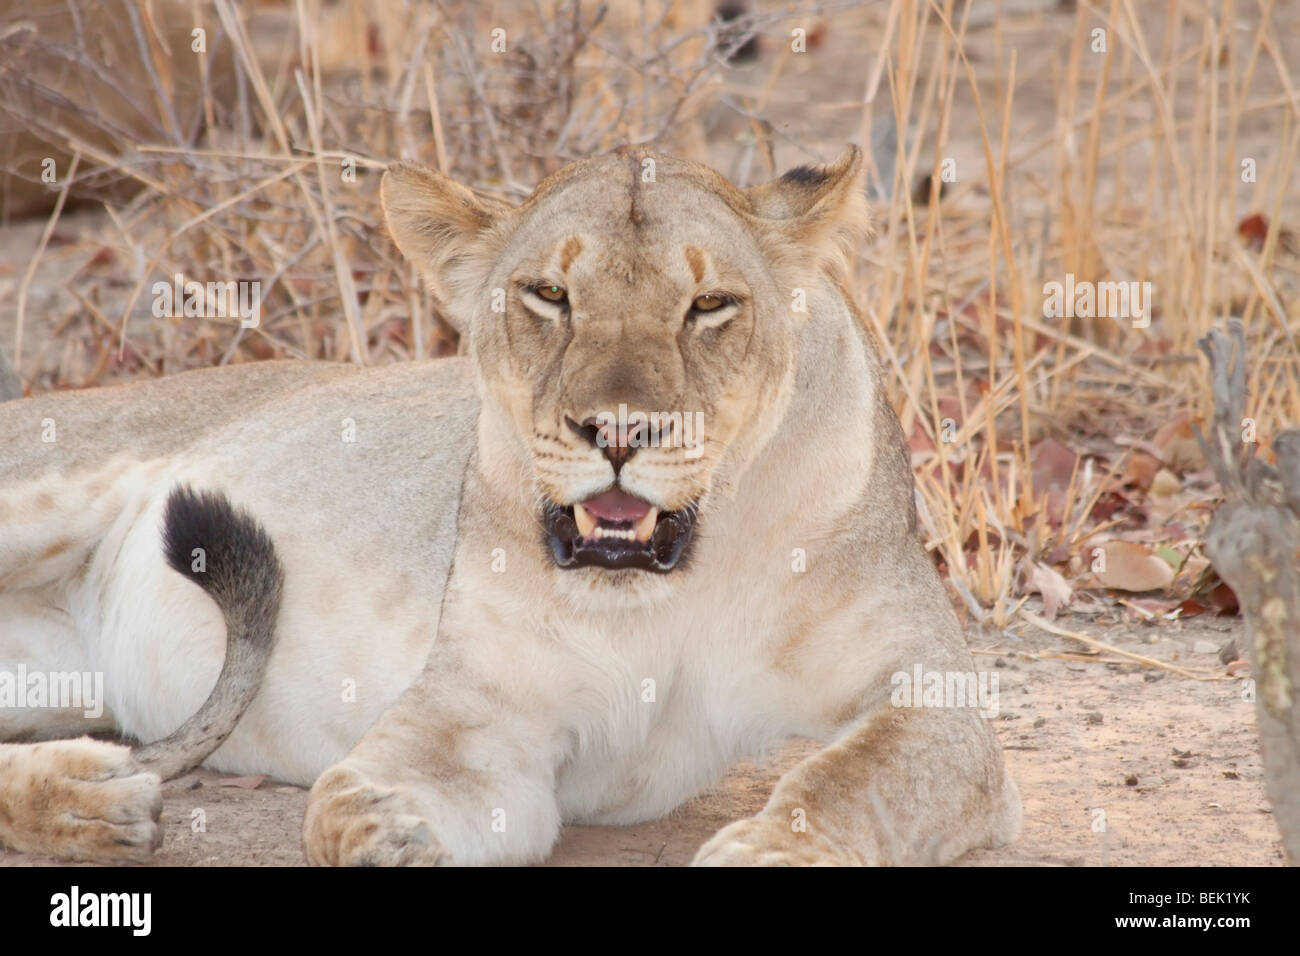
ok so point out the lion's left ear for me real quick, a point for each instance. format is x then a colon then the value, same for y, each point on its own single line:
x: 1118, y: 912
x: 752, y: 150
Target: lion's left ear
x: 814, y: 214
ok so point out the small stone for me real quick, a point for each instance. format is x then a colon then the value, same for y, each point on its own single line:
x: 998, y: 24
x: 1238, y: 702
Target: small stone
x: 1039, y: 722
x: 1131, y: 780
x: 1152, y: 676
x: 1229, y: 653
x: 1205, y: 647
x: 1092, y: 717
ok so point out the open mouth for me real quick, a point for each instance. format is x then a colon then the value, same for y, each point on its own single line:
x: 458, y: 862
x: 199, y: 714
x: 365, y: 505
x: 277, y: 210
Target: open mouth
x: 616, y: 530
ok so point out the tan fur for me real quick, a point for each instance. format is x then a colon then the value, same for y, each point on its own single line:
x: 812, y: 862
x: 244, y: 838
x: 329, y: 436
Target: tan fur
x: 80, y: 799
x: 558, y: 695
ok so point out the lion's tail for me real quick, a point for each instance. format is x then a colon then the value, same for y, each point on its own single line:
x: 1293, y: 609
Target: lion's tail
x: 227, y: 553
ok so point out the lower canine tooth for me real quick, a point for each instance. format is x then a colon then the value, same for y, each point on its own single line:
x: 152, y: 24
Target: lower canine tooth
x: 646, y: 526
x: 586, y: 523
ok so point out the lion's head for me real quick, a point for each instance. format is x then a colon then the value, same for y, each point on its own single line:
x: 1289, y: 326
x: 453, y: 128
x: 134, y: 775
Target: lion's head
x: 633, y: 326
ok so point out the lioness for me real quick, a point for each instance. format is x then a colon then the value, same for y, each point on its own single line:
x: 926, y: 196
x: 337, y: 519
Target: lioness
x: 506, y: 602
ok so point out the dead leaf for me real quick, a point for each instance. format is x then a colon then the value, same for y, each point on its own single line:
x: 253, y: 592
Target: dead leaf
x: 1133, y: 567
x: 106, y: 256
x: 1108, y: 504
x: 1165, y: 484
x: 243, y: 783
x: 1057, y: 554
x: 1053, y: 464
x: 1194, y: 566
x: 1253, y: 230
x: 1224, y: 599
x: 1177, y: 445
x: 1171, y: 556
x: 1141, y: 470
x: 1054, y: 589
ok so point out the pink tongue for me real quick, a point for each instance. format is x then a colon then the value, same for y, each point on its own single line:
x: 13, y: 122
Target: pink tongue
x: 616, y: 506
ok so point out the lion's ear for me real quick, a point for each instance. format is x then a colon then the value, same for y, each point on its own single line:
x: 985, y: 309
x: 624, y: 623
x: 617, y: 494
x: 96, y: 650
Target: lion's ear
x: 443, y: 229
x: 814, y: 213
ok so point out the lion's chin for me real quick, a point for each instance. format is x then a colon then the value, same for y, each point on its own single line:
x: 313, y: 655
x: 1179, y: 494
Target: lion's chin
x: 617, y: 531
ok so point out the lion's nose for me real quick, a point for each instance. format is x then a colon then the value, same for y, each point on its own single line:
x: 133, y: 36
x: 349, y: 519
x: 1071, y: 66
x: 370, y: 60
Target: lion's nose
x: 615, y: 443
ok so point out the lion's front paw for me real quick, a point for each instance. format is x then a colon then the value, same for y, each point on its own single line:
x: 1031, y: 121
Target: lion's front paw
x: 82, y: 800
x: 354, y: 822
x: 764, y: 841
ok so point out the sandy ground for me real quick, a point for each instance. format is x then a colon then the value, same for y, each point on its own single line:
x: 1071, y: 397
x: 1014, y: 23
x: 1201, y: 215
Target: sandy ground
x: 1117, y: 764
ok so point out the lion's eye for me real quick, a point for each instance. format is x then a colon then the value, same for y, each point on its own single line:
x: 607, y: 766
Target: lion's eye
x: 707, y: 303
x: 551, y: 293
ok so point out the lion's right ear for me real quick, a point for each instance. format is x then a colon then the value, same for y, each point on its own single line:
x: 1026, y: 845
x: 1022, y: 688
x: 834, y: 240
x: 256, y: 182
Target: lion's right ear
x: 446, y: 231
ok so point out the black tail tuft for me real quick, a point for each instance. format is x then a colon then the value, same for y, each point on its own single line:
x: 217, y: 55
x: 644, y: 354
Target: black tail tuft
x: 224, y: 551
x: 227, y: 553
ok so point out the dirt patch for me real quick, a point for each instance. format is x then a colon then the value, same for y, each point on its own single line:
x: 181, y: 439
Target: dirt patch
x: 1117, y: 764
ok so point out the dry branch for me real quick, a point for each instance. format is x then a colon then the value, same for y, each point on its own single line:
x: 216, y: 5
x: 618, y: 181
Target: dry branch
x: 1253, y: 542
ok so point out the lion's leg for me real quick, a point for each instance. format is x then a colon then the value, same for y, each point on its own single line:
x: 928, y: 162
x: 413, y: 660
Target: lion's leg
x: 47, y: 688
x: 50, y: 527
x: 77, y: 799
x: 903, y: 787
x: 459, y: 773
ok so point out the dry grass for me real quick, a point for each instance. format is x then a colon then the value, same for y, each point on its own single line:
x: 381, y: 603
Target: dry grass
x: 1117, y: 166
x: 1137, y: 178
